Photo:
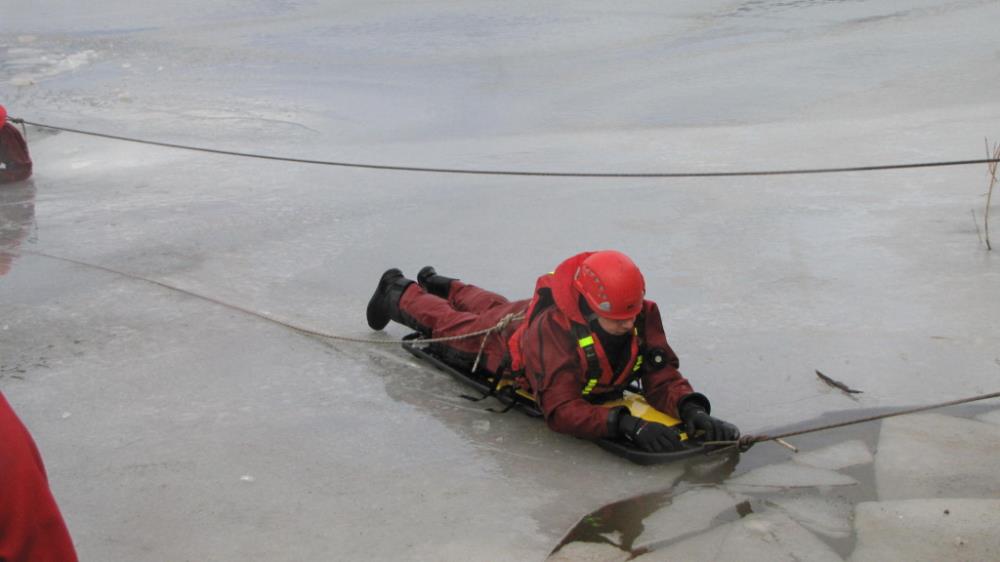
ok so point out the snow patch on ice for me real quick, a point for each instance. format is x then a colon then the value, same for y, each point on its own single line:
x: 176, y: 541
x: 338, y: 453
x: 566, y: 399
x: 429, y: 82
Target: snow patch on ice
x: 31, y: 65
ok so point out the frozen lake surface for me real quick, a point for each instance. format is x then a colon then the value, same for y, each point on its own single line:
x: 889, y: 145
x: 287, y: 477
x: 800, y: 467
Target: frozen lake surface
x: 174, y: 427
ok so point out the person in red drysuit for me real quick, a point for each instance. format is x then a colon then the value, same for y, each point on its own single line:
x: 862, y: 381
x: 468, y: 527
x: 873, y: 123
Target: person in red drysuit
x: 31, y: 527
x: 15, y: 162
x: 587, y: 332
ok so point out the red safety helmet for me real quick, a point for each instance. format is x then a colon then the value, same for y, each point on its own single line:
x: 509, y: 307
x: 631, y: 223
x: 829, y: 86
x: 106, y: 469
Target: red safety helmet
x: 612, y: 285
x: 3, y: 115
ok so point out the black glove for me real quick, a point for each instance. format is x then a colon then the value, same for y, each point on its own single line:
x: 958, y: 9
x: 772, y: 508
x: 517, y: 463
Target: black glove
x: 696, y: 418
x: 650, y: 436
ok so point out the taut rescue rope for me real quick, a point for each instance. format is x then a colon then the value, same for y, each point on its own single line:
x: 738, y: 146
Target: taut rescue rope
x: 747, y: 441
x: 399, y: 168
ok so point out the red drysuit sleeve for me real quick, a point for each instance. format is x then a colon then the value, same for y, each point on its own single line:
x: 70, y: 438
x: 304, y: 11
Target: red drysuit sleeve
x: 665, y: 387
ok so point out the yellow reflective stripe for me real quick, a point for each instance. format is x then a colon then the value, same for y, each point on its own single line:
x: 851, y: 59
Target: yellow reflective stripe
x: 638, y: 364
x: 585, y: 342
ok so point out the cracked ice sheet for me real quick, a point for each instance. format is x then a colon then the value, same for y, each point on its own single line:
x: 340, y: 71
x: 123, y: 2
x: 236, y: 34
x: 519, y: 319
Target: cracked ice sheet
x: 765, y: 537
x: 933, y: 456
x: 835, y: 457
x: 688, y: 513
x: 990, y: 417
x: 824, y: 515
x: 787, y: 475
x: 927, y: 529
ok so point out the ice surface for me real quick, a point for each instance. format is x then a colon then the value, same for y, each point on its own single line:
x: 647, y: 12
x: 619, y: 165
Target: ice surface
x: 927, y: 530
x: 589, y: 552
x: 764, y: 537
x: 787, y: 475
x: 990, y: 417
x: 829, y: 516
x: 935, y: 455
x: 835, y: 457
x: 689, y: 512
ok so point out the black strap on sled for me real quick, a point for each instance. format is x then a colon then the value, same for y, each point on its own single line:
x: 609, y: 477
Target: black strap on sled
x: 506, y: 394
x: 492, y: 391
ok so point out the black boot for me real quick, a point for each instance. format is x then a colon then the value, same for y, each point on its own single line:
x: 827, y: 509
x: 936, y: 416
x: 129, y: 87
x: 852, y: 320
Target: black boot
x: 433, y: 283
x: 384, y: 304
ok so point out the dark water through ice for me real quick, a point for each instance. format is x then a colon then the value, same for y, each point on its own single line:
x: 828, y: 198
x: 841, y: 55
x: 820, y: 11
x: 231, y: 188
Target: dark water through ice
x: 625, y: 519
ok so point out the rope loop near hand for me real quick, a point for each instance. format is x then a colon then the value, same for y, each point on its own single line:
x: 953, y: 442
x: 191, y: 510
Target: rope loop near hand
x: 743, y: 443
x: 746, y: 441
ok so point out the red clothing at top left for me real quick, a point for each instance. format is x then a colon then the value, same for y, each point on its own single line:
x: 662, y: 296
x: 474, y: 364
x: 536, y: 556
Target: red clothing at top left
x: 13, y: 155
x: 31, y: 527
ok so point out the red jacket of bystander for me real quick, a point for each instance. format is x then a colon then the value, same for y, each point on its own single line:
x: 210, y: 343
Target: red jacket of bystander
x: 31, y: 527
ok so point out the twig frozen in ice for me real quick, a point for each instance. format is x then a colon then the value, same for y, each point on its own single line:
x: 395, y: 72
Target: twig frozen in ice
x: 837, y: 384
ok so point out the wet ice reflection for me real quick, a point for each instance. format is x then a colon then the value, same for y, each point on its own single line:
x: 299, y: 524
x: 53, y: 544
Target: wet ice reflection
x: 17, y: 216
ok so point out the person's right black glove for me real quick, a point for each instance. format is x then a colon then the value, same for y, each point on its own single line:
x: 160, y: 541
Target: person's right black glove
x: 650, y: 436
x: 695, y: 418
